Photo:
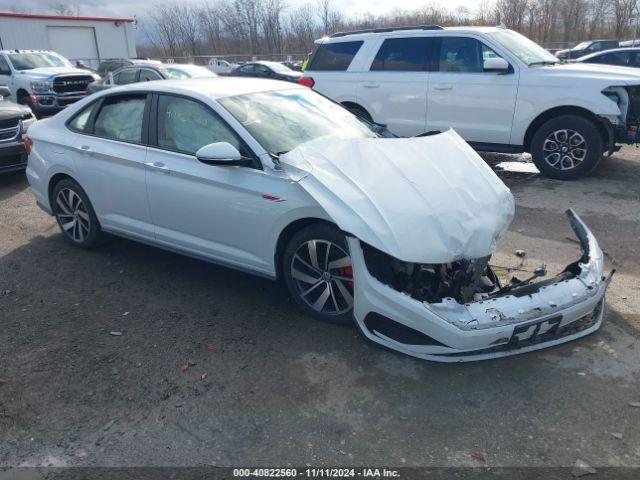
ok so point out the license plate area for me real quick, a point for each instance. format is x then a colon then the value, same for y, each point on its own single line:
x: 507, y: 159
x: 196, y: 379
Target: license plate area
x: 536, y: 330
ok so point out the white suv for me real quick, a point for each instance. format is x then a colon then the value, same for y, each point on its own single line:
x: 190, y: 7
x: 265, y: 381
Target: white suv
x: 499, y: 90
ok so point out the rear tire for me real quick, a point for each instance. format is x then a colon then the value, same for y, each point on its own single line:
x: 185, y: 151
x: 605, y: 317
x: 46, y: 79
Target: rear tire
x: 75, y: 215
x: 567, y: 147
x: 317, y: 270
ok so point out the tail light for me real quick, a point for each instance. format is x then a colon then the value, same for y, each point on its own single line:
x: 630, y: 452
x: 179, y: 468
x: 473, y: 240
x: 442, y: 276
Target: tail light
x: 306, y: 82
x: 28, y: 143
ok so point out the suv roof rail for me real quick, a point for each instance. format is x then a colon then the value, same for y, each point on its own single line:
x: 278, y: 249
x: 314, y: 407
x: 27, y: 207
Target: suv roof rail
x: 388, y: 29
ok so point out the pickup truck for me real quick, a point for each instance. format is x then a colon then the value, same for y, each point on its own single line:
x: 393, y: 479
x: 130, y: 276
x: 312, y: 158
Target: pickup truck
x: 44, y: 81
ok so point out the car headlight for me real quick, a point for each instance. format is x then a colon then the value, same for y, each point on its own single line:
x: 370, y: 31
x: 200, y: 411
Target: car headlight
x: 42, y: 86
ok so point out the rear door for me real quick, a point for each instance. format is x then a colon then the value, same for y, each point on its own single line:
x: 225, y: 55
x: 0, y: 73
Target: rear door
x: 394, y: 90
x: 109, y: 154
x: 478, y: 105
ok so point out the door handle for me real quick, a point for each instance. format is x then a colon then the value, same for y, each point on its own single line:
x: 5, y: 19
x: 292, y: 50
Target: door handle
x: 371, y: 85
x: 84, y: 149
x: 443, y: 87
x: 159, y: 166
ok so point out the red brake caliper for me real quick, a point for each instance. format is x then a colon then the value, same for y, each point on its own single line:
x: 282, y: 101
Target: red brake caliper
x: 347, y: 272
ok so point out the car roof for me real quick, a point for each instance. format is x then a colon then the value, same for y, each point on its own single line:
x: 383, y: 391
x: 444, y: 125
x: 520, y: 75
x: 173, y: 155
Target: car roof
x: 604, y: 52
x: 212, y: 87
x: 389, y: 32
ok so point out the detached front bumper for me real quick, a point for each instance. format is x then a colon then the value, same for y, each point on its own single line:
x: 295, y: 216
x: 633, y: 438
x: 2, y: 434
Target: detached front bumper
x: 527, y: 318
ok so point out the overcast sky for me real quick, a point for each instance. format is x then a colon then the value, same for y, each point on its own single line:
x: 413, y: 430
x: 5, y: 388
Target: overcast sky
x: 129, y: 8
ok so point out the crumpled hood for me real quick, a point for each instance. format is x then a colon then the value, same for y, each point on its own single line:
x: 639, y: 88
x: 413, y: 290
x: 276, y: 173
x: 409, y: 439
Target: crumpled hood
x: 423, y: 200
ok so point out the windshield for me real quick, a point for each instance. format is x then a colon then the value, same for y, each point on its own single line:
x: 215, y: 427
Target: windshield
x: 529, y: 52
x: 581, y: 46
x: 31, y: 60
x: 282, y: 120
x: 187, y: 71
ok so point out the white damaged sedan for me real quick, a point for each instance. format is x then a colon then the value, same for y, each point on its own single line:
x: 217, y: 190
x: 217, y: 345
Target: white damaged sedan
x: 274, y: 179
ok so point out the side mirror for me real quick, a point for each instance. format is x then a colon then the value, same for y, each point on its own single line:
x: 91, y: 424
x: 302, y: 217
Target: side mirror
x: 499, y: 65
x: 222, y: 154
x: 4, y: 91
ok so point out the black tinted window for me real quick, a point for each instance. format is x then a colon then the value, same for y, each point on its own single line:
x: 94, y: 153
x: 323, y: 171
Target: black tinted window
x: 403, y: 54
x: 460, y: 54
x: 126, y: 76
x: 185, y: 126
x: 334, y: 56
x: 120, y: 118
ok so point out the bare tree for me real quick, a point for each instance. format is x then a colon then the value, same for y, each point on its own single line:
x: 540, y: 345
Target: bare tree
x: 623, y: 11
x: 66, y: 9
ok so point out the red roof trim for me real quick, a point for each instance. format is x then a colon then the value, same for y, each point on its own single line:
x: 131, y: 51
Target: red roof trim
x: 65, y: 17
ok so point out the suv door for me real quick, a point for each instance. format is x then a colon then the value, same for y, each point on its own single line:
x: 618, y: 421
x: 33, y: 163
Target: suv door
x: 479, y: 105
x: 109, y: 154
x: 394, y: 90
x: 205, y: 210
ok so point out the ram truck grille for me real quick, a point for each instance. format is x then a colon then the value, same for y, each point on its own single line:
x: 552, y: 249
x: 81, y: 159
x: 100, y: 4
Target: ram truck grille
x: 71, y: 84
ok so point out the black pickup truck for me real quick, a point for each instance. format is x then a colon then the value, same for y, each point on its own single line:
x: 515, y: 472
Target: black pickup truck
x: 14, y: 122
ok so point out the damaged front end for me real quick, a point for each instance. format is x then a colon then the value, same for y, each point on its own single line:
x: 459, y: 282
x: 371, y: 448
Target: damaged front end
x: 623, y: 128
x: 459, y: 311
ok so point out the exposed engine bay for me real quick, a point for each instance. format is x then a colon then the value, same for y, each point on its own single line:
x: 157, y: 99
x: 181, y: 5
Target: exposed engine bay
x: 463, y: 280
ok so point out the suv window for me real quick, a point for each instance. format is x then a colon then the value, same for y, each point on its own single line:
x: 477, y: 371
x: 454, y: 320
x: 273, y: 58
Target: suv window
x: 185, y: 126
x: 334, y: 56
x: 4, y: 66
x: 403, y: 54
x: 120, y: 118
x: 613, y: 58
x: 125, y: 76
x: 460, y: 54
x: 79, y: 122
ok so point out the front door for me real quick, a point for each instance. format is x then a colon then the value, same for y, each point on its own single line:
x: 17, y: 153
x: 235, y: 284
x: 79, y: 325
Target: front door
x: 478, y: 105
x: 205, y: 210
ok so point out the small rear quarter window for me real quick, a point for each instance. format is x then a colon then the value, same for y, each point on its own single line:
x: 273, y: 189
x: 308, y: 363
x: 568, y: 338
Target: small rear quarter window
x: 334, y: 56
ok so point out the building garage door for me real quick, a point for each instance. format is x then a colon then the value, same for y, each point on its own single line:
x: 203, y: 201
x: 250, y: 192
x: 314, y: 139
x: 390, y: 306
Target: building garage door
x: 75, y: 43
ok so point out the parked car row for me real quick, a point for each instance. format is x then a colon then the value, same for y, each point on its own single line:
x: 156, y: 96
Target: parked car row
x: 276, y: 180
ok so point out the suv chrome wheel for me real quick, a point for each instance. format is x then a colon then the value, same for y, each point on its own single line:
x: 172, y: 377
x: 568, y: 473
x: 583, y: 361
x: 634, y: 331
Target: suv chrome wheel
x: 323, y: 275
x: 72, y: 215
x: 564, y: 149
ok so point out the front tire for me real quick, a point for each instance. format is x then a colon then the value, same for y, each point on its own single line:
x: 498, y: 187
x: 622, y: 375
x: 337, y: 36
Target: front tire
x: 567, y: 147
x: 317, y: 270
x: 75, y: 215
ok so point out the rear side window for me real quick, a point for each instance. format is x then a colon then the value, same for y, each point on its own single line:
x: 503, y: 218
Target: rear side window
x: 120, y: 118
x: 402, y: 55
x: 334, y: 56
x: 126, y: 76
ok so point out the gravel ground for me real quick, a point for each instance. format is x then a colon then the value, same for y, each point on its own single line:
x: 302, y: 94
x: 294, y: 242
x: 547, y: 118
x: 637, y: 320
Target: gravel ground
x: 269, y: 386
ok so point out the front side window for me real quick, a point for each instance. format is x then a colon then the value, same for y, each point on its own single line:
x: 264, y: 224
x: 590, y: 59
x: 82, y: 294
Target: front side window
x: 120, y: 118
x: 185, y: 126
x: 149, y: 75
x: 281, y: 120
x: 247, y: 68
x: 125, y: 76
x: 79, y: 122
x: 614, y: 58
x: 334, y: 56
x: 403, y: 55
x: 460, y: 54
x: 4, y: 66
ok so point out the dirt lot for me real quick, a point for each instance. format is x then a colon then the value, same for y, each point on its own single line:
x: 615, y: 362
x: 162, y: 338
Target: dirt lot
x: 269, y: 386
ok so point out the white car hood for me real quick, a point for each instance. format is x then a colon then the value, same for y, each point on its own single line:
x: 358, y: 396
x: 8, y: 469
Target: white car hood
x: 592, y: 71
x: 46, y: 72
x: 423, y: 200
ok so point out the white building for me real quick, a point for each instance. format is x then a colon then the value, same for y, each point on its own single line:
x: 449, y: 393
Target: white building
x: 89, y: 39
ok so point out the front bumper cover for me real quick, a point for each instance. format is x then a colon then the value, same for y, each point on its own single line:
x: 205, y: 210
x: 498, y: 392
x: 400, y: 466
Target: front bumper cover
x: 537, y: 316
